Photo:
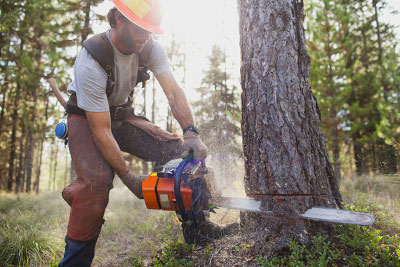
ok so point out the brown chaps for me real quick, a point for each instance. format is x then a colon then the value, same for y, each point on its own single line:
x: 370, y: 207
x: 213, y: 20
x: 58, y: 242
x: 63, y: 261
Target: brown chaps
x: 88, y: 194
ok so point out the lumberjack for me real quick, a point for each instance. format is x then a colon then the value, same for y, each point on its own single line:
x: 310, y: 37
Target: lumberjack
x: 102, y: 122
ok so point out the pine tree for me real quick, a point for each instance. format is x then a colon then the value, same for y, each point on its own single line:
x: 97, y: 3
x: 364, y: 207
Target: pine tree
x: 217, y: 112
x: 351, y: 52
x: 326, y: 27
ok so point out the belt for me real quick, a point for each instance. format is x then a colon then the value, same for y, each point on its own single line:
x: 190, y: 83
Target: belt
x: 117, y: 113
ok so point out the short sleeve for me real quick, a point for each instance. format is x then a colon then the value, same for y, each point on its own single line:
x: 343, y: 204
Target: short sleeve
x: 90, y: 82
x: 158, y: 62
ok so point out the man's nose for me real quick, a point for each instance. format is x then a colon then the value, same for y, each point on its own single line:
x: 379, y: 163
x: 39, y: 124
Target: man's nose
x: 144, y: 35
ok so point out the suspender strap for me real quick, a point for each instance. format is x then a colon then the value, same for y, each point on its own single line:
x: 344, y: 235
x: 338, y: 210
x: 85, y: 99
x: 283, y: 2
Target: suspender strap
x: 100, y: 48
x: 144, y: 57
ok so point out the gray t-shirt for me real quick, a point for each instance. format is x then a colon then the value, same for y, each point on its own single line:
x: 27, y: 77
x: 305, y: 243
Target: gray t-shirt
x: 90, y: 78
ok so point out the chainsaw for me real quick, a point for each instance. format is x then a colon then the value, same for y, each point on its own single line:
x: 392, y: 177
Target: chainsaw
x: 187, y: 187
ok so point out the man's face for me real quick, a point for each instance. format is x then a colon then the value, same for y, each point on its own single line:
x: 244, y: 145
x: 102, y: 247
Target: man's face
x: 133, y: 37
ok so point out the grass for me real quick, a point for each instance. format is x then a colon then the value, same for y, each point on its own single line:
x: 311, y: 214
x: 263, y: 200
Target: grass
x: 382, y: 190
x: 32, y: 230
x: 348, y: 245
x: 33, y: 227
x: 24, y: 245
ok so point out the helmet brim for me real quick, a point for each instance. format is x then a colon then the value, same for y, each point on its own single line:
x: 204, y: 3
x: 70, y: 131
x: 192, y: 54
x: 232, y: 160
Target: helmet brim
x: 124, y: 10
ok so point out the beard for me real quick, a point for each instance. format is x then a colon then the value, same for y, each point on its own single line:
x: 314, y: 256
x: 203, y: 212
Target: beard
x: 132, y: 45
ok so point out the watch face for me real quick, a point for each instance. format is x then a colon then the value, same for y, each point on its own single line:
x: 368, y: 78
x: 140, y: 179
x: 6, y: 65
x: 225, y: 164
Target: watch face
x: 191, y: 128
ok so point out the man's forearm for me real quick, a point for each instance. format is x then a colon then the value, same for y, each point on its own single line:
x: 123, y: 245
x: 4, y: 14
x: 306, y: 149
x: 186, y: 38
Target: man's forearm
x: 111, y: 152
x: 180, y: 109
x: 176, y: 98
x: 100, y: 124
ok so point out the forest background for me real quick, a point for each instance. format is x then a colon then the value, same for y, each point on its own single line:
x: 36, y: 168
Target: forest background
x: 355, y: 76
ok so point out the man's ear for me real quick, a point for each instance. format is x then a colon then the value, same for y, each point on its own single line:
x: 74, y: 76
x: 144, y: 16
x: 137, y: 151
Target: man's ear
x: 119, y: 18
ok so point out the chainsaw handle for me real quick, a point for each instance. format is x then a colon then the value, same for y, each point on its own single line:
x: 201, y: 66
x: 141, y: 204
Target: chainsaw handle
x: 177, y: 185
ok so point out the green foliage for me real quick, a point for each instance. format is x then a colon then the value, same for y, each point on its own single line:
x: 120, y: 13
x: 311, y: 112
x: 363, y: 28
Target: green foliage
x: 25, y: 245
x: 173, y: 253
x: 29, y: 229
x: 354, y: 73
x: 135, y: 261
x: 217, y: 111
x: 207, y: 253
x: 25, y: 239
x: 348, y: 245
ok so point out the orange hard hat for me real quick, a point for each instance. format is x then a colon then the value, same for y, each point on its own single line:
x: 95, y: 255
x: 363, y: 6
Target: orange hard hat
x: 144, y: 13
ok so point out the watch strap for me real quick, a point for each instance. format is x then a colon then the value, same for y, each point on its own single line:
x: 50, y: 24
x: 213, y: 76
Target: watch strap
x: 191, y: 128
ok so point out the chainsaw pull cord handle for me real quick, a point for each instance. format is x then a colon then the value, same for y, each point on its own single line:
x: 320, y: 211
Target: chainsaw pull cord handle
x: 177, y: 186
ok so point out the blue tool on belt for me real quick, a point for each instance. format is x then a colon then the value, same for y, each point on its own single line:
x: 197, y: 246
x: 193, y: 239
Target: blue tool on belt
x: 61, y: 130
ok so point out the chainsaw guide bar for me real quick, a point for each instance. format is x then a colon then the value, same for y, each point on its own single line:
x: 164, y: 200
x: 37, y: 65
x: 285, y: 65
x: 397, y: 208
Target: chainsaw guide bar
x: 315, y: 213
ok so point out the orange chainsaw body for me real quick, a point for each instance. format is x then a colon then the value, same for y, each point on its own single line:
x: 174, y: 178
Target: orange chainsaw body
x: 158, y: 193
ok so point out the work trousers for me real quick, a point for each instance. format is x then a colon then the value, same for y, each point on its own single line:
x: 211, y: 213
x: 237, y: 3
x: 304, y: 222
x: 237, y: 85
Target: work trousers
x: 88, y: 194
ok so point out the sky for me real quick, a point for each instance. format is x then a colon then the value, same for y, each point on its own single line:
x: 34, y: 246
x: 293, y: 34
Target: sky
x: 199, y: 25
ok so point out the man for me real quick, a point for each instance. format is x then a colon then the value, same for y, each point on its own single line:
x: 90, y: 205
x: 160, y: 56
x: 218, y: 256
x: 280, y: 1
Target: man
x: 102, y: 122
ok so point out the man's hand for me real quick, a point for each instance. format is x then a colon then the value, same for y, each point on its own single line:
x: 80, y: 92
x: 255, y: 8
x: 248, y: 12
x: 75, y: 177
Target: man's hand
x: 193, y: 144
x: 134, y: 184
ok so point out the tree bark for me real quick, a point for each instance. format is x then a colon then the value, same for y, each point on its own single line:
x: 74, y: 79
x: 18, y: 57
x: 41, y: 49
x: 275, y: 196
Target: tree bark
x: 3, y: 103
x: 12, y: 141
x: 29, y: 156
x: 51, y: 164
x: 55, y: 167
x: 286, y: 161
x: 21, y: 165
x: 43, y: 133
x: 86, y: 27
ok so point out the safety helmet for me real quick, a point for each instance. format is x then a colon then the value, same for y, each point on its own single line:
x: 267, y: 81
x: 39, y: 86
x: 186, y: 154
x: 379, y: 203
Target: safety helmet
x: 144, y: 13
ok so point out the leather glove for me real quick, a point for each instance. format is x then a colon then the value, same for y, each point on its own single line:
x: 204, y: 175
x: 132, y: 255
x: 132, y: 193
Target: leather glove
x: 133, y: 183
x: 193, y: 144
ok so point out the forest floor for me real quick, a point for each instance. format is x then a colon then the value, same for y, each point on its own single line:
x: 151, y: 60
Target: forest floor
x: 135, y: 236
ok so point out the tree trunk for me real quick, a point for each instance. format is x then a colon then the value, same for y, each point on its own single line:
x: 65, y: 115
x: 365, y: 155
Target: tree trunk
x: 169, y: 120
x: 86, y: 27
x: 3, y: 103
x: 29, y: 156
x: 12, y: 141
x: 43, y: 132
x: 286, y: 161
x: 55, y: 167
x: 21, y: 164
x: 23, y: 182
x: 51, y: 164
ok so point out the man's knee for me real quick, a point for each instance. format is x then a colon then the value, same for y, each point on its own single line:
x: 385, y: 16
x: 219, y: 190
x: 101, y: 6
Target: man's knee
x: 148, y: 142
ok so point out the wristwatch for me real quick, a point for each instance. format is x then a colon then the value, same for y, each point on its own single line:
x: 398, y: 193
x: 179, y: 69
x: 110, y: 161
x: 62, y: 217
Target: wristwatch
x: 191, y: 128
